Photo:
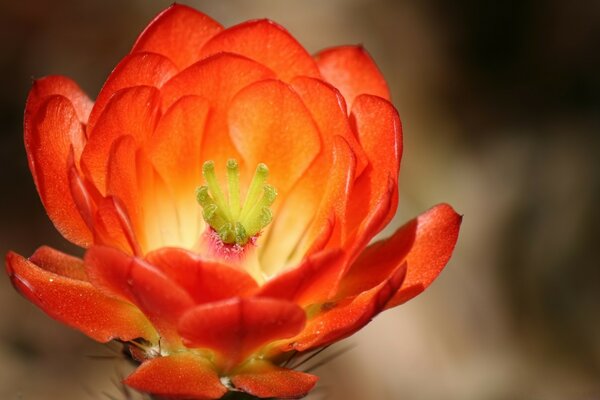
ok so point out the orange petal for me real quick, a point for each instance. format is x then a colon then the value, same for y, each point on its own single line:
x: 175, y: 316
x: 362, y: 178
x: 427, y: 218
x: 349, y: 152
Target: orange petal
x: 336, y: 195
x: 436, y: 236
x: 177, y: 33
x: 374, y: 197
x: 50, y: 136
x: 352, y: 70
x: 108, y: 270
x: 52, y: 85
x: 74, y: 302
x: 122, y: 182
x: 117, y: 273
x: 265, y: 380
x: 339, y: 320
x: 59, y: 263
x: 329, y: 111
x: 178, y: 376
x: 239, y: 326
x: 140, y: 69
x: 112, y: 226
x: 132, y: 111
x: 175, y: 152
x: 217, y: 79
x: 425, y: 244
x: 161, y: 299
x: 269, y: 44
x: 309, y: 282
x: 205, y: 281
x: 269, y: 124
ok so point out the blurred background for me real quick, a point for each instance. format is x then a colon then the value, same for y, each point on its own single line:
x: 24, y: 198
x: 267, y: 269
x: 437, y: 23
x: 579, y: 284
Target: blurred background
x: 500, y: 103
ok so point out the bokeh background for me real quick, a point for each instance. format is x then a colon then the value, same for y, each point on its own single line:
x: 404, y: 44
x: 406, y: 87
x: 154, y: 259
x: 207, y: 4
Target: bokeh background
x: 500, y: 102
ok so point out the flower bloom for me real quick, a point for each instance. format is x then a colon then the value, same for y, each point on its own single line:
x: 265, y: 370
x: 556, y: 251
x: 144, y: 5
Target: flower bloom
x: 225, y: 185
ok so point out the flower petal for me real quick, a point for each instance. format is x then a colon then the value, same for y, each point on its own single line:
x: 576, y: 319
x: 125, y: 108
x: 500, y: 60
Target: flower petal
x: 131, y: 111
x: 217, y: 79
x: 161, y: 299
x: 205, y: 281
x: 51, y: 135
x: 330, y: 113
x: 74, y: 302
x: 175, y: 153
x: 52, y: 85
x: 309, y: 282
x: 341, y: 319
x: 178, y: 376
x: 265, y: 380
x: 112, y: 226
x: 269, y: 44
x: 130, y: 278
x: 239, y: 326
x: 59, y: 263
x: 269, y: 124
x: 140, y: 69
x: 352, y: 70
x: 425, y: 244
x: 177, y: 33
x: 374, y: 197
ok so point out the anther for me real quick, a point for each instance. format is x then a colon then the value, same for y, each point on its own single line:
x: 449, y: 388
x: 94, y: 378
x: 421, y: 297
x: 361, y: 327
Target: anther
x: 234, y: 222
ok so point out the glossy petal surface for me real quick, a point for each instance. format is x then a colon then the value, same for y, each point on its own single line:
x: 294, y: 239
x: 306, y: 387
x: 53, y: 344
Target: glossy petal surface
x: 238, y: 326
x: 177, y: 33
x: 269, y: 44
x: 52, y: 134
x: 178, y: 376
x: 264, y: 380
x: 352, y: 70
x: 75, y: 302
x: 424, y: 244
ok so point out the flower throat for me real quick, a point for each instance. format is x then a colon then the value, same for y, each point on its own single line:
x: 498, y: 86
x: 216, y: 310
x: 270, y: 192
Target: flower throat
x: 234, y: 222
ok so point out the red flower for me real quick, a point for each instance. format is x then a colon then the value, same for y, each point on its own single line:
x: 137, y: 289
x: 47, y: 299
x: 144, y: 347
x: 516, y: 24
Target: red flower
x: 211, y: 297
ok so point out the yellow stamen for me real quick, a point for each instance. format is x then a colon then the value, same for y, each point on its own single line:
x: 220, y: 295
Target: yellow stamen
x: 236, y: 223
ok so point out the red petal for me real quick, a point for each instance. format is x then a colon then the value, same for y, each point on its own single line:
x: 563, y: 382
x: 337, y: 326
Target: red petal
x: 59, y: 263
x: 112, y: 226
x: 217, y: 79
x: 336, y: 194
x: 269, y: 44
x: 177, y: 33
x: 352, y: 70
x: 309, y: 282
x: 269, y: 124
x: 108, y: 270
x: 161, y: 299
x: 50, y: 135
x: 239, y: 326
x: 329, y: 111
x: 425, y: 244
x: 264, y: 380
x: 205, y: 281
x: 436, y: 235
x: 340, y: 320
x: 374, y: 197
x: 178, y: 376
x: 132, y: 111
x: 140, y: 69
x: 52, y: 85
x: 122, y: 182
x: 76, y: 303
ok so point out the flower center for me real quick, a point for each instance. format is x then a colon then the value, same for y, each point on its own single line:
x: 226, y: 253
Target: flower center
x: 234, y: 222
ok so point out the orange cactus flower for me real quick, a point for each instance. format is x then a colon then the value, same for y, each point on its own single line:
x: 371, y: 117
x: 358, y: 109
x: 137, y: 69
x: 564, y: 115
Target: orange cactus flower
x: 225, y: 185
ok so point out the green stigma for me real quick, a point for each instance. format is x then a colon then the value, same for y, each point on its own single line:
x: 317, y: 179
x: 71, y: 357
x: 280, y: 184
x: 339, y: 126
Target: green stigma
x: 234, y: 222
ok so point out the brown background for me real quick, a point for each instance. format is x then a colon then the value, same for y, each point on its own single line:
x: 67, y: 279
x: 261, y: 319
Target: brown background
x: 500, y: 102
